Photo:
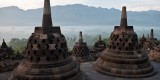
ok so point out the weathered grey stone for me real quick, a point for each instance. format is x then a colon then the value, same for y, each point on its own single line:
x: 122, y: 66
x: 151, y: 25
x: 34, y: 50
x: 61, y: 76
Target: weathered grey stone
x: 149, y: 43
x: 46, y: 55
x: 123, y: 57
x: 80, y: 51
x: 98, y: 47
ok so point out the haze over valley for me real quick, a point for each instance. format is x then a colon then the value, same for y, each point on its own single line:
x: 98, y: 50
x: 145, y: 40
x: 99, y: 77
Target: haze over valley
x: 92, y: 21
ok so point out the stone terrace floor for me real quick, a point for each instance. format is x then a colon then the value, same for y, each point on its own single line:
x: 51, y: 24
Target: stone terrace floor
x: 93, y: 75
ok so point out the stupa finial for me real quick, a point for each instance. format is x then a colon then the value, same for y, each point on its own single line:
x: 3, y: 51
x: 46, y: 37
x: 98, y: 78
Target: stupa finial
x: 123, y: 18
x: 80, y: 37
x: 100, y: 38
x: 152, y: 34
x: 47, y: 18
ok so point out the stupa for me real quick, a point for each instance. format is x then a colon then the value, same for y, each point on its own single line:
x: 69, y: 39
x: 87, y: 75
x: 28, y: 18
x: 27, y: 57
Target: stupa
x: 155, y: 54
x: 46, y: 56
x: 123, y: 56
x: 150, y: 43
x: 142, y: 41
x: 80, y: 52
x: 98, y: 47
x: 5, y: 51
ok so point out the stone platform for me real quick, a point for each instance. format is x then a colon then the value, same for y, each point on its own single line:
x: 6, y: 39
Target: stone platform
x: 88, y: 69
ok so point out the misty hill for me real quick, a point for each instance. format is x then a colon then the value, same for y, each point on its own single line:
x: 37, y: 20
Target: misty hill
x: 76, y: 15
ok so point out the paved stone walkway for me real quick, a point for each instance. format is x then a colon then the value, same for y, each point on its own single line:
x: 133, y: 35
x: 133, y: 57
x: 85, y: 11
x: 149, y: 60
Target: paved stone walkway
x: 88, y: 69
x: 93, y: 75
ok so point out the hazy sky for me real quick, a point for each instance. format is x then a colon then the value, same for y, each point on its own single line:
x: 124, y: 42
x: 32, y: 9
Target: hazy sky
x: 133, y: 5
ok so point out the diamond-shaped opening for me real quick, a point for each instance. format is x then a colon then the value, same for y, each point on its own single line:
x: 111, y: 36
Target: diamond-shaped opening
x: 56, y: 46
x: 39, y: 46
x: 123, y: 36
x: 132, y: 39
x: 52, y: 52
x: 126, y: 39
x: 116, y: 39
x: 47, y: 58
x: 47, y: 46
x: 130, y: 44
x: 114, y: 47
x: 62, y: 45
x: 57, y: 58
x: 34, y: 52
x: 28, y: 52
x: 112, y: 43
x: 117, y: 44
x: 120, y: 39
x: 52, y: 58
x: 60, y: 51
x: 31, y: 46
x: 136, y: 47
x: 35, y: 41
x: 38, y: 59
x: 126, y: 48
x: 43, y: 41
x: 117, y: 36
x: 50, y: 41
x: 123, y: 44
x: 31, y: 58
x: 43, y: 52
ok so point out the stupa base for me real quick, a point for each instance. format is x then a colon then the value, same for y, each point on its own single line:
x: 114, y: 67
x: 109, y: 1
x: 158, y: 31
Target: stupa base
x: 125, y: 75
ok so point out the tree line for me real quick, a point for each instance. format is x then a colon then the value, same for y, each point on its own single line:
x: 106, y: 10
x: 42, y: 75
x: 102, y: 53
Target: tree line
x: 18, y: 45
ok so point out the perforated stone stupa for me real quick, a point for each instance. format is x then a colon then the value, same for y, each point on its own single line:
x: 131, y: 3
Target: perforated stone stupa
x: 5, y: 51
x: 123, y: 56
x: 98, y: 47
x: 151, y: 42
x: 46, y: 56
x: 142, y: 41
x: 155, y: 54
x: 80, y: 52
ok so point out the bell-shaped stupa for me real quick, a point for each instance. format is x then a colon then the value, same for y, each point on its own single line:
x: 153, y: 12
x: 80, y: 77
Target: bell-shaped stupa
x: 46, y: 56
x: 80, y: 52
x: 123, y: 56
x: 155, y: 54
x: 142, y: 41
x: 150, y: 43
x: 98, y: 47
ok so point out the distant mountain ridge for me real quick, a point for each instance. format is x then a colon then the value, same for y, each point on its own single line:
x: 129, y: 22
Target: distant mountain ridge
x: 77, y: 15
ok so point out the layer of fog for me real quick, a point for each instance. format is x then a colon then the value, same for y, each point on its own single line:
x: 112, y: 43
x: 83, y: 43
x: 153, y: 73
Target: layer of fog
x: 71, y: 31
